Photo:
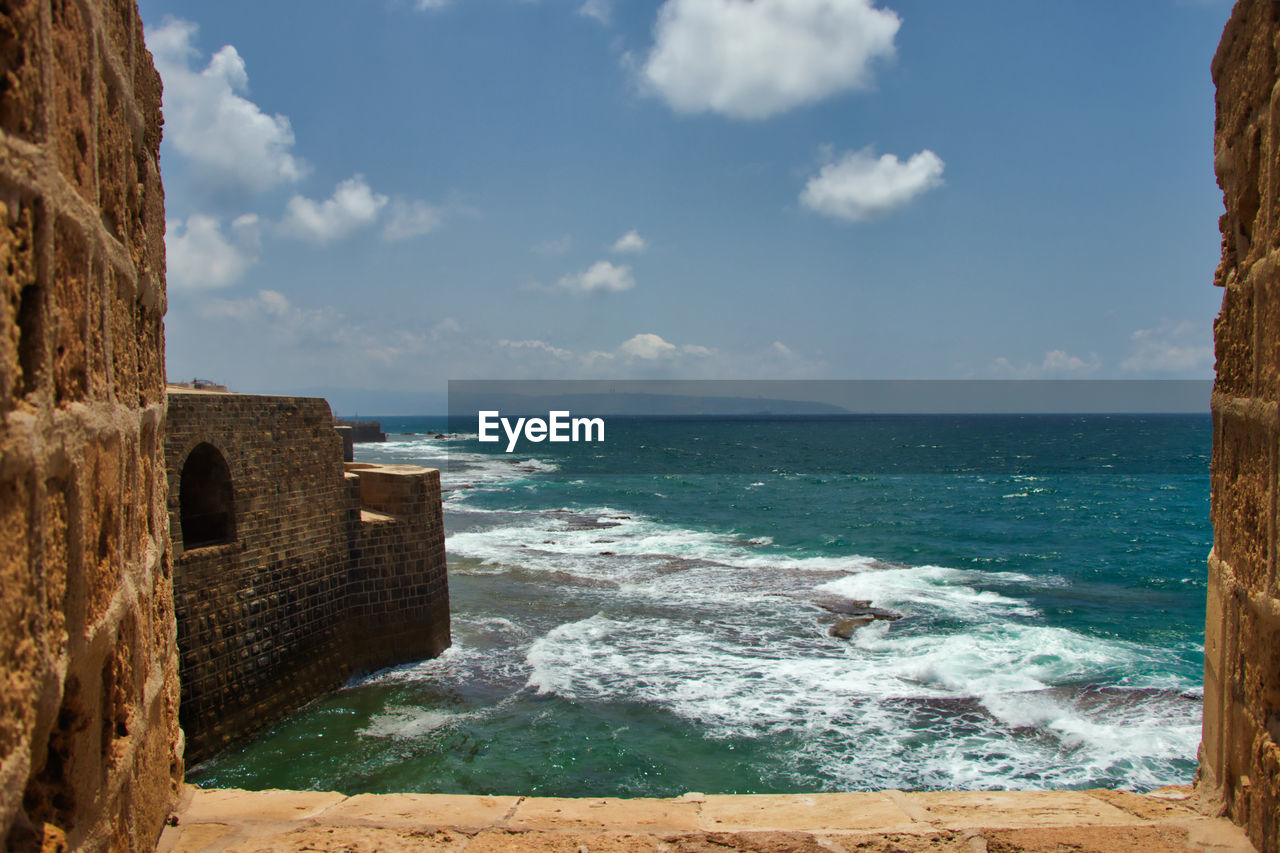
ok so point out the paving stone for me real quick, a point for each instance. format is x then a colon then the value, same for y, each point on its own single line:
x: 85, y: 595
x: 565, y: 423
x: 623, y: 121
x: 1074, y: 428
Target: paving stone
x: 811, y: 812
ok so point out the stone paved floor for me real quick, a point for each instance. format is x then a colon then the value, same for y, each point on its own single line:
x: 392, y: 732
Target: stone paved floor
x: 881, y: 822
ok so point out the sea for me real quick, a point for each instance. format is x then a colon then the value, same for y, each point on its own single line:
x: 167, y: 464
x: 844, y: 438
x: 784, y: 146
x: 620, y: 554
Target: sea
x: 1023, y: 599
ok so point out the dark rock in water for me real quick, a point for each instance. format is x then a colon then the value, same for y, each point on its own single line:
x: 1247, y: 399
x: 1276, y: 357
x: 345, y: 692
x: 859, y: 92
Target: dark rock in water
x: 853, y: 613
x: 606, y: 554
x: 836, y: 604
x: 680, y: 564
x: 853, y: 607
x: 588, y: 522
x: 568, y: 579
x: 845, y: 627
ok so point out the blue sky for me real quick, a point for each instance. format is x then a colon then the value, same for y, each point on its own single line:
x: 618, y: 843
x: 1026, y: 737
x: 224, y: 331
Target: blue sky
x: 389, y: 194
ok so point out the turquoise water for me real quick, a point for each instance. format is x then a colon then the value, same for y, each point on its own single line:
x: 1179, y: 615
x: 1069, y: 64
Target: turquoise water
x: 646, y: 617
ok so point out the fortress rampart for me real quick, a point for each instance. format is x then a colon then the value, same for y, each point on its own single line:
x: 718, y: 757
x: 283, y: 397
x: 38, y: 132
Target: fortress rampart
x: 1240, y: 751
x: 291, y: 574
x: 90, y: 751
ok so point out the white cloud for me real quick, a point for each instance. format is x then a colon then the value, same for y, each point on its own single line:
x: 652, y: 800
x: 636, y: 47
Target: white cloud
x: 648, y: 355
x: 860, y: 186
x: 353, y: 205
x: 535, y: 346
x: 602, y: 276
x: 430, y: 5
x: 648, y: 346
x: 283, y: 344
x: 1055, y: 364
x: 231, y: 141
x: 409, y: 219
x: 631, y: 242
x: 1061, y: 361
x: 1182, y: 348
x: 263, y: 304
x: 601, y: 10
x: 200, y: 256
x: 323, y: 338
x: 755, y: 59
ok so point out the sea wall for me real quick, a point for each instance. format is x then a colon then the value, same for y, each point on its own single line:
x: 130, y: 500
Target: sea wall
x: 90, y: 752
x: 1240, y: 755
x: 291, y: 574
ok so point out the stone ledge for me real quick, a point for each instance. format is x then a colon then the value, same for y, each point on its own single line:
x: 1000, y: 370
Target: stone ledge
x: 233, y: 821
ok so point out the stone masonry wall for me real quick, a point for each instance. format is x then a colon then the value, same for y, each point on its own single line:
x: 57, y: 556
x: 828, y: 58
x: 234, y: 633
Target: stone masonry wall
x: 1240, y: 755
x: 397, y: 586
x: 90, y: 752
x: 310, y: 589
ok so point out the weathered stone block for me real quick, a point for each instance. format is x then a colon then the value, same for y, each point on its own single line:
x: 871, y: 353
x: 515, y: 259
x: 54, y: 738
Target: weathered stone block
x: 73, y: 96
x: 97, y: 380
x: 1233, y: 339
x: 19, y: 619
x: 56, y: 556
x: 69, y: 313
x: 21, y: 84
x: 20, y: 304
x: 150, y: 355
x: 1242, y: 481
x: 124, y: 338
x: 117, y: 167
x: 101, y: 488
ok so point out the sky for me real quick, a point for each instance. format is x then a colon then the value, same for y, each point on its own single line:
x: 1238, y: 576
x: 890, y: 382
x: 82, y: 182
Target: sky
x: 369, y: 199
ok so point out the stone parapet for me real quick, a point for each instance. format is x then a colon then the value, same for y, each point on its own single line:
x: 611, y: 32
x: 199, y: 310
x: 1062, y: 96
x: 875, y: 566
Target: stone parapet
x: 874, y: 822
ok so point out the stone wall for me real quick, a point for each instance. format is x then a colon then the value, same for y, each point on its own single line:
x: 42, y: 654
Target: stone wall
x: 318, y: 574
x: 1240, y: 756
x: 398, y: 594
x: 90, y: 752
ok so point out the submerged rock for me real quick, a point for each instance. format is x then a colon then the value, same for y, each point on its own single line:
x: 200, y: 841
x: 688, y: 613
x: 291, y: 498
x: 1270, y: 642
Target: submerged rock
x: 854, y: 607
x: 845, y: 627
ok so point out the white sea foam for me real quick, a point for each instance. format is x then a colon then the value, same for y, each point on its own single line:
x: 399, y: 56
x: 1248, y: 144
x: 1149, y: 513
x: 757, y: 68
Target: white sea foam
x: 932, y: 589
x: 859, y: 707
x: 406, y: 721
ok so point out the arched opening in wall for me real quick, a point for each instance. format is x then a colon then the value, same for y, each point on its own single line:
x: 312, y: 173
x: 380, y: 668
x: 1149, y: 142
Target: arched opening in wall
x: 205, y: 498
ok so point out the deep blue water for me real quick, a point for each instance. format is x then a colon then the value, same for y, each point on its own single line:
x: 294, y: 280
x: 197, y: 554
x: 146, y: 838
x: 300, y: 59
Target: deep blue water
x: 644, y: 617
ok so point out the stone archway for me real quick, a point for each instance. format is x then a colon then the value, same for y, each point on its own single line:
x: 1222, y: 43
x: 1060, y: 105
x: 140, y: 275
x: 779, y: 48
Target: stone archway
x: 206, y: 499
